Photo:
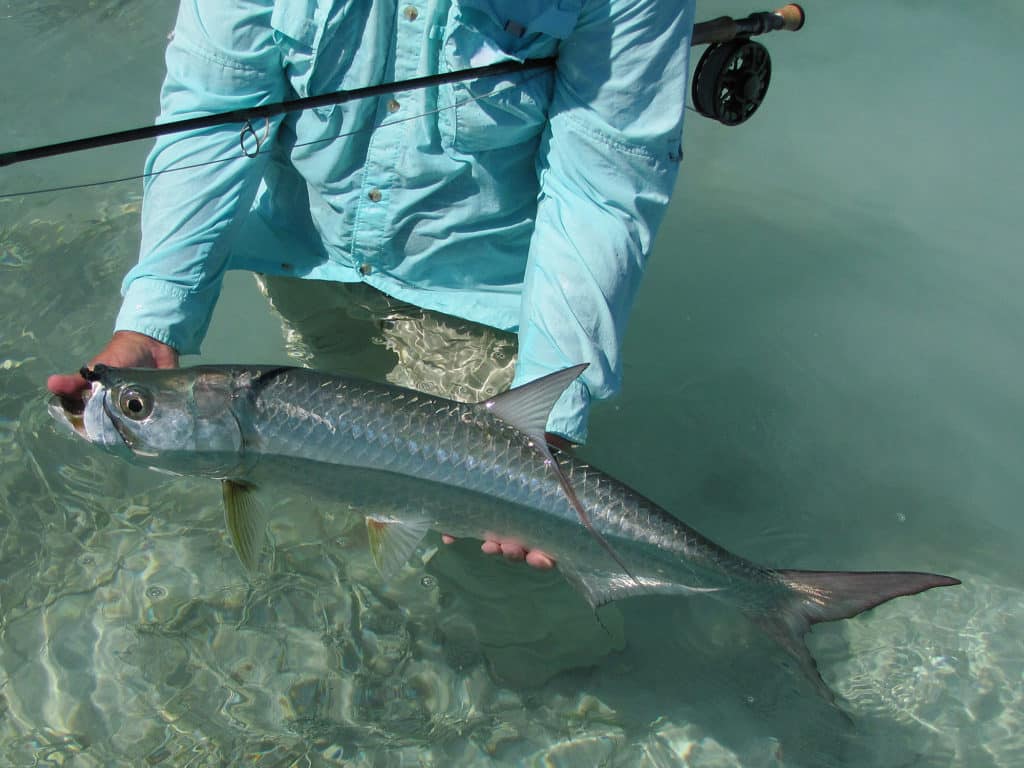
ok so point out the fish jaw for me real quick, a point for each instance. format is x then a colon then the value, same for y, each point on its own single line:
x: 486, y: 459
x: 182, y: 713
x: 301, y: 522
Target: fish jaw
x: 86, y: 418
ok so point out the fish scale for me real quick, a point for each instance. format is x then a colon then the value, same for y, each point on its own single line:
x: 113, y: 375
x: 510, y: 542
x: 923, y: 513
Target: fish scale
x: 412, y: 462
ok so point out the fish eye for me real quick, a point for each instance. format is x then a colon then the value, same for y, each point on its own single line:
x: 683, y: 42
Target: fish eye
x: 135, y: 403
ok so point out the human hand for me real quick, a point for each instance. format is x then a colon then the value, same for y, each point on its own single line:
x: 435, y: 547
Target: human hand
x: 126, y: 349
x: 512, y: 550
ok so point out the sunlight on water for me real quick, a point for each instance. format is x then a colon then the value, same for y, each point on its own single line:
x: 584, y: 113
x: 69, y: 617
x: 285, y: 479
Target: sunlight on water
x: 823, y: 372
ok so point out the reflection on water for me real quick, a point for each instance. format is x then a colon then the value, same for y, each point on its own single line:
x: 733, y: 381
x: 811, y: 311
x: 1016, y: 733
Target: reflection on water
x: 829, y: 385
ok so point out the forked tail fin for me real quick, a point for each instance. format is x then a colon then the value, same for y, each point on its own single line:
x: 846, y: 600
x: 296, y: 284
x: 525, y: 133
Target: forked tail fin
x: 819, y: 596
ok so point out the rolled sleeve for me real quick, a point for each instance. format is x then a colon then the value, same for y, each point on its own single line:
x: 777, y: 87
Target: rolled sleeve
x: 222, y: 56
x: 175, y: 316
x: 608, y: 163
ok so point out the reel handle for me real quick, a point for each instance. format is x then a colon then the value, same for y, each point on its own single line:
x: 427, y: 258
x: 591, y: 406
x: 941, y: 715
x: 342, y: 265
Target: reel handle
x: 723, y: 29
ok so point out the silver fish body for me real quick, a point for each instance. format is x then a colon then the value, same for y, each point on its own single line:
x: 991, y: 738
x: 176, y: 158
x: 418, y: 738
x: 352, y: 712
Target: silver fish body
x: 469, y: 474
x: 415, y: 462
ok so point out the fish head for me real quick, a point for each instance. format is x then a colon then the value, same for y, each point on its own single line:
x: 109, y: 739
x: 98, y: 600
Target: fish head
x: 183, y: 421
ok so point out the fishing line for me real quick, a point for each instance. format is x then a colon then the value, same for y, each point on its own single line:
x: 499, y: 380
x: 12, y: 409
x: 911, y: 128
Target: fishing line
x: 249, y: 131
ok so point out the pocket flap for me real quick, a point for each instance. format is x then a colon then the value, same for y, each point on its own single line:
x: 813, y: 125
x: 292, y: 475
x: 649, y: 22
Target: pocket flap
x: 557, y: 20
x: 297, y: 20
x: 527, y: 17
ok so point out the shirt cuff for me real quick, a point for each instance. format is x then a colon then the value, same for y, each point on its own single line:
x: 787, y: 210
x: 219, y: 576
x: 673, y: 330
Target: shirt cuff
x: 167, y: 313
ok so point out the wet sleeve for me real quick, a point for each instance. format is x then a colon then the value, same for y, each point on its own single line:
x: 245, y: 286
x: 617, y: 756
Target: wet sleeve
x: 607, y: 165
x: 222, y: 56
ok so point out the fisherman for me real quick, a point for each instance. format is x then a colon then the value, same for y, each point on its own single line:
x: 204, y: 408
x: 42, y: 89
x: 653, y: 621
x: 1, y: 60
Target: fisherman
x: 457, y: 239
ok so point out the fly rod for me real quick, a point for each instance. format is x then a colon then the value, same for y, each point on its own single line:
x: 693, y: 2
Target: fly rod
x: 248, y: 114
x: 714, y: 32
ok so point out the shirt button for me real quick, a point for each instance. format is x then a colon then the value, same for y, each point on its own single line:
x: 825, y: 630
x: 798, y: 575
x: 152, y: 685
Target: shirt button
x: 410, y: 12
x: 374, y: 195
x: 393, y: 106
x: 365, y: 269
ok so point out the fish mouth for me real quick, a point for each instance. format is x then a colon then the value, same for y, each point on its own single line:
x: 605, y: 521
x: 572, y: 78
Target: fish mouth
x: 78, y: 414
x: 69, y: 412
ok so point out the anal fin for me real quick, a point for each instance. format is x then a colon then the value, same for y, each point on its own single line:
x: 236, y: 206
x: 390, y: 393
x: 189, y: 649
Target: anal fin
x: 600, y: 587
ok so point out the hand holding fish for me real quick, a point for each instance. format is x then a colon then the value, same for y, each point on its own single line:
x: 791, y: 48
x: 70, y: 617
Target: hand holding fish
x: 512, y: 550
x: 126, y: 349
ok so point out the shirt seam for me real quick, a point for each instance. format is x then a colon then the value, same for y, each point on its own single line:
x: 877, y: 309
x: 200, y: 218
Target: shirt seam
x: 158, y: 288
x: 609, y: 141
x: 159, y: 285
x: 213, y: 57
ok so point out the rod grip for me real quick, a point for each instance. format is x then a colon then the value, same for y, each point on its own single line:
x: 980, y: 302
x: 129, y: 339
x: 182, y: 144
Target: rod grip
x: 725, y: 29
x: 792, y: 16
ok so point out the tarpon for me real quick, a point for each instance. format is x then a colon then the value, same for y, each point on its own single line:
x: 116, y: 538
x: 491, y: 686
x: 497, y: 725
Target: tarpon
x: 414, y: 462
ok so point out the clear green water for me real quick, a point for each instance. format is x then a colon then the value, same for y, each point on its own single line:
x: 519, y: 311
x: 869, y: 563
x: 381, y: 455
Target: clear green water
x: 823, y: 371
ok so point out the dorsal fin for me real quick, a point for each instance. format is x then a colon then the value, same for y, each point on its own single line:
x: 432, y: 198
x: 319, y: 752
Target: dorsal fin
x: 527, y: 409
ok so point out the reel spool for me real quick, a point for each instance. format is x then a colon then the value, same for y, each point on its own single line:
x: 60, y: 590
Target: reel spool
x: 731, y: 80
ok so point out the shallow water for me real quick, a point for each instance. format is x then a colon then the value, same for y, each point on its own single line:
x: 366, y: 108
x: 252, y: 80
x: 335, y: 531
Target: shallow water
x: 822, y: 371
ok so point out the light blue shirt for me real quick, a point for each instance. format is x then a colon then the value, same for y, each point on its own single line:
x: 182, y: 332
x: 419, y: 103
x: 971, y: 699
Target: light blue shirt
x: 528, y: 202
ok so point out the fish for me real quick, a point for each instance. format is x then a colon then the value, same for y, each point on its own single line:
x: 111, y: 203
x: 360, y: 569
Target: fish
x: 412, y: 463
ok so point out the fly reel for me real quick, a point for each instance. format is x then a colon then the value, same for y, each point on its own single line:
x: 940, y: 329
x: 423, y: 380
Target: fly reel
x: 731, y: 81
x: 732, y: 77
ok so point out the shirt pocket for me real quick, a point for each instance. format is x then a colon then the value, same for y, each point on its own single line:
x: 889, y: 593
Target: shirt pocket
x: 495, y: 112
x: 298, y: 30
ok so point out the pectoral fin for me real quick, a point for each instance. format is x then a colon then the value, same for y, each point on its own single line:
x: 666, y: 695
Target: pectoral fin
x: 393, y: 541
x: 244, y: 521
